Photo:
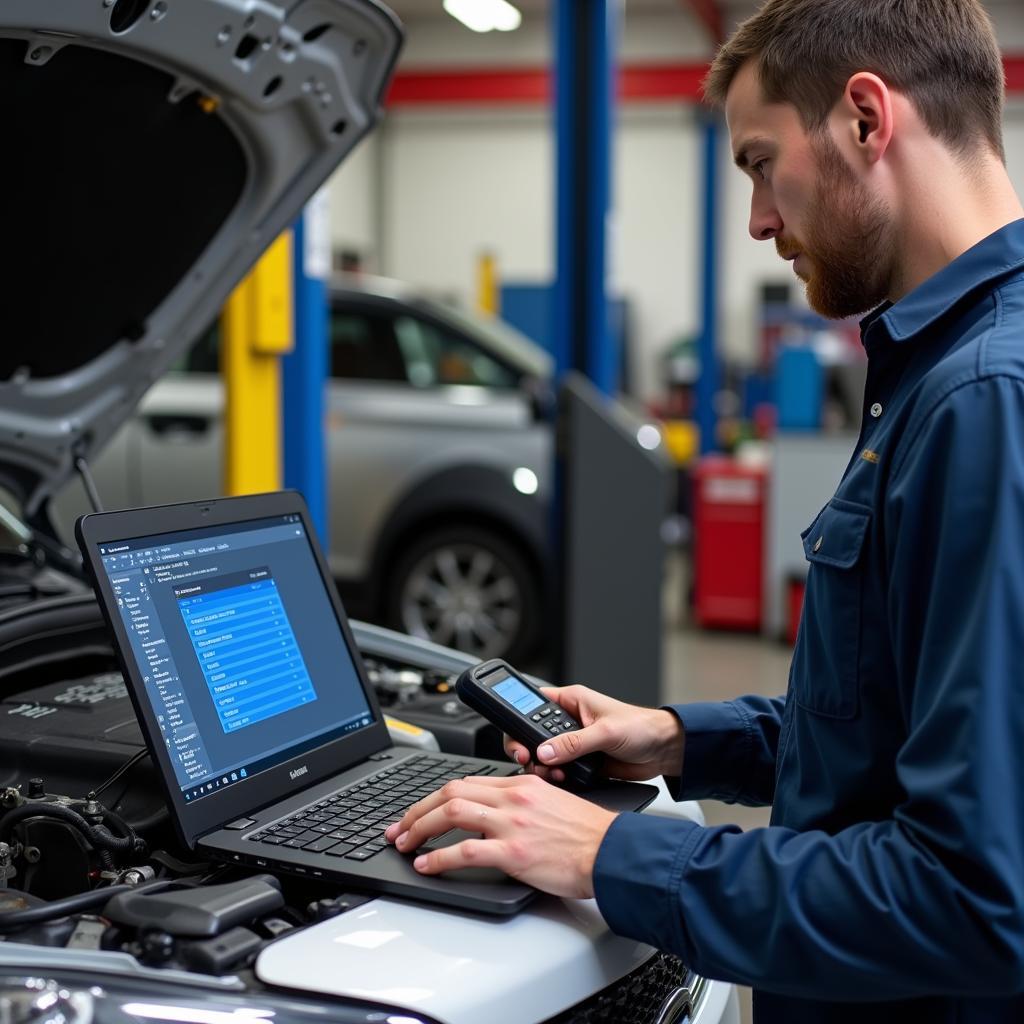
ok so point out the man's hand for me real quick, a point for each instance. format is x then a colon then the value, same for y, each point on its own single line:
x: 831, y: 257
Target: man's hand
x: 638, y: 743
x: 532, y: 831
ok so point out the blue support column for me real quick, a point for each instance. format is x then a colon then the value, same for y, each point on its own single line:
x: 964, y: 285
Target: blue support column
x: 708, y: 383
x: 305, y: 369
x: 584, y: 88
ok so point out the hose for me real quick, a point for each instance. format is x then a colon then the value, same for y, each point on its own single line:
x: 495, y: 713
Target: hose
x: 127, y: 830
x: 98, y: 835
x: 16, y: 919
x: 83, y: 901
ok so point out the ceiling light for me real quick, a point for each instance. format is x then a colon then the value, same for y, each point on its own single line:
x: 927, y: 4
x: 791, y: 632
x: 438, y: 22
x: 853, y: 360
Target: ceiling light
x: 485, y: 15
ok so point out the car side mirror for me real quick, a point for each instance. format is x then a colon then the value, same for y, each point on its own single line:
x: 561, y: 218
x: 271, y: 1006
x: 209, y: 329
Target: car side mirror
x: 541, y: 395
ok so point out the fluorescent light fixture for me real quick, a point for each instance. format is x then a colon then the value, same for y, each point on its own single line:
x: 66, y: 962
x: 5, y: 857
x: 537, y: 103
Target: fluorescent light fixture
x: 485, y: 15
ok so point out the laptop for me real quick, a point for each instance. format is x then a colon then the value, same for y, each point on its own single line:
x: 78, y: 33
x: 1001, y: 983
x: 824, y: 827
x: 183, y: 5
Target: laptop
x: 255, y: 704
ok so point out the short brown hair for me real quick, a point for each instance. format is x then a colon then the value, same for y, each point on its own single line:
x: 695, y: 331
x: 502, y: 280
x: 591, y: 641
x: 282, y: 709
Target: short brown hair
x: 942, y: 54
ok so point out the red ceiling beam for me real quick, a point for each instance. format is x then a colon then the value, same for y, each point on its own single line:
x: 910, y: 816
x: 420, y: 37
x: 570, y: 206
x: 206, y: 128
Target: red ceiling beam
x: 512, y: 85
x: 709, y: 14
x: 638, y: 83
x: 1014, y: 74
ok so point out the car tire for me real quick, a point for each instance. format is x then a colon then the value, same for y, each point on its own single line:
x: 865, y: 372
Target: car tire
x: 468, y: 588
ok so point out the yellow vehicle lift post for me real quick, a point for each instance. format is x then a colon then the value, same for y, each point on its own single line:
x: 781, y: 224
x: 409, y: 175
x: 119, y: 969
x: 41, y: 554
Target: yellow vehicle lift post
x: 487, y: 293
x: 256, y: 327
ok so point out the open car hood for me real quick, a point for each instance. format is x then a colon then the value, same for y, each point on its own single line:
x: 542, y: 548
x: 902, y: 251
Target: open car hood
x: 153, y: 150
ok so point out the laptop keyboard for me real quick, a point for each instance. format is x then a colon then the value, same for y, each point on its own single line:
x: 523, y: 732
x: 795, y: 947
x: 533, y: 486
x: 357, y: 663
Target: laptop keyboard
x: 351, y: 823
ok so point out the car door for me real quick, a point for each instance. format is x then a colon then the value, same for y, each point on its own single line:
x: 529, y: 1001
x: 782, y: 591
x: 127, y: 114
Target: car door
x: 408, y: 398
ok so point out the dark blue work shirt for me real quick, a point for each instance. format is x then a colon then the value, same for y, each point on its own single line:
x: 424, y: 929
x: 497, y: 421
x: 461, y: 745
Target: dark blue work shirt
x: 893, y: 869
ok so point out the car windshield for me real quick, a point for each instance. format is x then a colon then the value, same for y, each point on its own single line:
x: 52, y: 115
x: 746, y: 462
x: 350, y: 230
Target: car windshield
x: 504, y: 339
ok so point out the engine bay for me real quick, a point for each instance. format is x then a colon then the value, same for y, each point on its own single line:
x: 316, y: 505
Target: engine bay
x: 106, y: 917
x: 88, y: 857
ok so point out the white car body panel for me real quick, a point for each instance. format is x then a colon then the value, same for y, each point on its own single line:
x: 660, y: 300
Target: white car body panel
x: 463, y: 968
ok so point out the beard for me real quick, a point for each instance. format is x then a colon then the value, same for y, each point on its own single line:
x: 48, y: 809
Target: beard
x: 850, y: 240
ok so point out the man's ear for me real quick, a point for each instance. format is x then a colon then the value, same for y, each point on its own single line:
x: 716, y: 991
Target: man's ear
x: 866, y: 111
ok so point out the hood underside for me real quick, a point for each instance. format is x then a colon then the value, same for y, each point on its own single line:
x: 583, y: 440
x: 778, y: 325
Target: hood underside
x: 153, y: 150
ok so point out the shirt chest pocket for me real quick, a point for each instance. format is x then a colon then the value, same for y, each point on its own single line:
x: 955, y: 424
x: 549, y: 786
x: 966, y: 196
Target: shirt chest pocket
x: 826, y: 662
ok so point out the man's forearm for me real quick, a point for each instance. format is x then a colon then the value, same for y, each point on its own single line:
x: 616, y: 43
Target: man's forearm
x: 813, y: 915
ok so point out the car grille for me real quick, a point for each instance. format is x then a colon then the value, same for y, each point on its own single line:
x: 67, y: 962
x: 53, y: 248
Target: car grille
x: 635, y: 999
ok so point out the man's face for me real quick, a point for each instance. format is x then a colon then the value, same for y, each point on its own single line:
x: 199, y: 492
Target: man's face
x: 808, y: 199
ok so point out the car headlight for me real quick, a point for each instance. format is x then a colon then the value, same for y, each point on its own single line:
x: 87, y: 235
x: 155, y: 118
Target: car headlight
x: 71, y: 998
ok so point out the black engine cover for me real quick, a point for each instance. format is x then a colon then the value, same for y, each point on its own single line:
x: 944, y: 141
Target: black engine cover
x: 74, y: 735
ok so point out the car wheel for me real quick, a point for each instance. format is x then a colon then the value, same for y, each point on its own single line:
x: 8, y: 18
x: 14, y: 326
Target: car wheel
x: 467, y: 588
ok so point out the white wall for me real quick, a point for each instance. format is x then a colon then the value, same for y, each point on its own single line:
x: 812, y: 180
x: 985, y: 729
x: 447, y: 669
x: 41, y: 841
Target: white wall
x: 457, y: 184
x: 656, y: 245
x: 433, y: 42
x: 1008, y: 20
x: 1013, y: 138
x: 435, y: 188
x: 355, y: 201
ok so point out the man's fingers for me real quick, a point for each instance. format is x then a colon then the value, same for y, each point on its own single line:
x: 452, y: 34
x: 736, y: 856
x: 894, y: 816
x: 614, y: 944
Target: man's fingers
x: 568, y: 746
x: 456, y: 813
x: 476, y: 788
x: 571, y: 698
x: 516, y: 751
x: 470, y: 853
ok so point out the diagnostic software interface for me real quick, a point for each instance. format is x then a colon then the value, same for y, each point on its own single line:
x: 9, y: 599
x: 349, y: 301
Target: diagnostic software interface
x: 242, y: 658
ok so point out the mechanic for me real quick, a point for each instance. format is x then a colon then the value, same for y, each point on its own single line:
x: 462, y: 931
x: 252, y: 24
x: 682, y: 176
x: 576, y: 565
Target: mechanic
x: 893, y: 869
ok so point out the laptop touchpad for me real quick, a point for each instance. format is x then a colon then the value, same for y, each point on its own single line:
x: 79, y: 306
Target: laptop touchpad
x: 456, y: 835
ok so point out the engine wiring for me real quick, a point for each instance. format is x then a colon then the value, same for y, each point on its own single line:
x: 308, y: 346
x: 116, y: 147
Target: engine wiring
x: 127, y: 766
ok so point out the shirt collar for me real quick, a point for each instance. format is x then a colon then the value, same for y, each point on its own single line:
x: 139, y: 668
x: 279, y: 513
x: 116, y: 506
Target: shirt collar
x: 993, y: 257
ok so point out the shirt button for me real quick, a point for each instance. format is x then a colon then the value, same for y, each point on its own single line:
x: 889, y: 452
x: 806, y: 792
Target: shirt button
x: 876, y: 410
x: 818, y: 543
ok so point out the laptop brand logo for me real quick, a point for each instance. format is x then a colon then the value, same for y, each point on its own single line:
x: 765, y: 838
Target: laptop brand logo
x: 297, y: 773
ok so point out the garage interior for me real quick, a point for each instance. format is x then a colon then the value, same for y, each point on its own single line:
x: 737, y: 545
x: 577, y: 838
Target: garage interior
x: 544, y: 396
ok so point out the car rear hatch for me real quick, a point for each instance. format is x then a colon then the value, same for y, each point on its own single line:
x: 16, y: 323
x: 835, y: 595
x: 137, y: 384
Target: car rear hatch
x: 153, y: 150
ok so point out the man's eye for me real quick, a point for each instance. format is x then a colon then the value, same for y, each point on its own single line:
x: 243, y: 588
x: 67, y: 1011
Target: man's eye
x: 758, y: 168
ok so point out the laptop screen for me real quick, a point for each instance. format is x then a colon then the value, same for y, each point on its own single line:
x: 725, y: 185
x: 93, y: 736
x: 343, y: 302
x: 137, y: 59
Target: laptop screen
x: 237, y: 645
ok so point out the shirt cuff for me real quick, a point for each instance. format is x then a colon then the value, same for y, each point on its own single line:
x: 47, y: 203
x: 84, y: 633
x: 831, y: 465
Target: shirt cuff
x: 716, y: 751
x: 636, y: 875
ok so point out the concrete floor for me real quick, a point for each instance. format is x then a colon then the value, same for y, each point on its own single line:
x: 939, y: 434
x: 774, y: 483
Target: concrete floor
x: 718, y: 666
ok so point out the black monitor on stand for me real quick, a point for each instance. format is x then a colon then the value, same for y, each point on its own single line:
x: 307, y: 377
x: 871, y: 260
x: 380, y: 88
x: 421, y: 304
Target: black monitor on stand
x: 613, y: 494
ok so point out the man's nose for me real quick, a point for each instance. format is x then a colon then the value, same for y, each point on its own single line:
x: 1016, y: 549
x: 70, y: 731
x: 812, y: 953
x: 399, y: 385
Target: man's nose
x: 765, y: 222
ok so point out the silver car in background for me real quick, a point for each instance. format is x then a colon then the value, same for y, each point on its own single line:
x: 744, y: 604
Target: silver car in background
x: 439, y: 464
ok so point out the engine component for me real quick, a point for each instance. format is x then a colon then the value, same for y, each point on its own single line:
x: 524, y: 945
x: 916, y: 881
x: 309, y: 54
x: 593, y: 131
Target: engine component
x: 7, y: 869
x: 332, y: 906
x: 459, y: 730
x: 62, y: 842
x: 197, y: 912
x: 137, y: 875
x: 20, y: 910
x: 77, y: 734
x: 225, y: 953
